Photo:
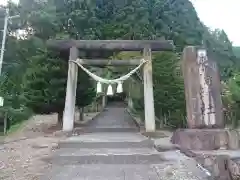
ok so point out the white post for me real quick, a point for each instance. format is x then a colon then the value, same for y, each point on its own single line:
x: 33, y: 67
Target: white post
x: 150, y: 125
x: 5, y: 31
x: 69, y: 110
x: 4, y: 38
x: 129, y: 96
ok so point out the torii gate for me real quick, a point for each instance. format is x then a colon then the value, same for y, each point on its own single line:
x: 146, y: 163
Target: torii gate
x: 147, y: 46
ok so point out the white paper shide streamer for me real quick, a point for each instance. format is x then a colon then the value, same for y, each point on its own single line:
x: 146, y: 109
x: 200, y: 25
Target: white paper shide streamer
x: 119, y: 87
x: 99, y: 87
x: 110, y: 90
x: 100, y: 80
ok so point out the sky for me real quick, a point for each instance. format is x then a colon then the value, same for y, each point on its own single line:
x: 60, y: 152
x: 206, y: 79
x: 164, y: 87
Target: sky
x: 222, y: 14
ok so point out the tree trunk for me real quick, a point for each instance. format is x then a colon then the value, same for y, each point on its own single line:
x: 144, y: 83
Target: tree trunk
x: 60, y: 118
x: 81, y: 114
x: 162, y: 122
x: 104, y: 101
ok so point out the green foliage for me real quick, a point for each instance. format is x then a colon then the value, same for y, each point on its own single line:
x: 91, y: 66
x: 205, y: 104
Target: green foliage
x: 11, y: 84
x: 45, y: 83
x: 236, y: 51
x: 234, y: 87
x: 220, y: 49
x: 231, y: 100
x: 34, y: 78
x: 168, y: 88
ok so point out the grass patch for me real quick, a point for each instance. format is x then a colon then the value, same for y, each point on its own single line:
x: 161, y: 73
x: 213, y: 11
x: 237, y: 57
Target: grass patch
x: 16, y: 127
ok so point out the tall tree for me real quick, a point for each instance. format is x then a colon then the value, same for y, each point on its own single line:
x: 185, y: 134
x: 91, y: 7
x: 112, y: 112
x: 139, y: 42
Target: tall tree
x: 45, y: 83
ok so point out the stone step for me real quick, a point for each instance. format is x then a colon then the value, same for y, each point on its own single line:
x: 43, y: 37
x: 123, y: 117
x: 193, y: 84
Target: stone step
x: 105, y: 129
x: 107, y: 159
x: 104, y: 151
x: 164, y: 171
x: 105, y: 172
x: 107, y: 140
x: 92, y: 145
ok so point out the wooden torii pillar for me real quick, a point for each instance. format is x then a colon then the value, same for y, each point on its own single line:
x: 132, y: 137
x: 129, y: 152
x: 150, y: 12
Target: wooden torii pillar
x: 70, y: 101
x: 147, y: 46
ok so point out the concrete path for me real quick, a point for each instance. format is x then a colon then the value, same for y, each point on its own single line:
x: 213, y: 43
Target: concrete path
x: 113, y: 119
x: 121, y: 155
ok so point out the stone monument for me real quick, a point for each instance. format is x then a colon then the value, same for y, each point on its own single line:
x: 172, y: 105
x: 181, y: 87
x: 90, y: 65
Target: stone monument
x: 203, y: 104
x: 202, y: 90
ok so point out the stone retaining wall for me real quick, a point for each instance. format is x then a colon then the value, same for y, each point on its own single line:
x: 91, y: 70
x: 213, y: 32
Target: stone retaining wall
x: 206, y: 146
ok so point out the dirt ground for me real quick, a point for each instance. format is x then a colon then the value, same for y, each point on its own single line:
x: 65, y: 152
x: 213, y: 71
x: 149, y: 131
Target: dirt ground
x: 22, y: 152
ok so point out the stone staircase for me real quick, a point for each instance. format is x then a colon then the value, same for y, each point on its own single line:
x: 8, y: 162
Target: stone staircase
x: 116, y: 155
x: 107, y: 148
x: 107, y: 140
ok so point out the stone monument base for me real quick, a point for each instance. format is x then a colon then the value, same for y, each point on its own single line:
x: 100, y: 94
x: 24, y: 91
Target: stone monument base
x: 206, y: 139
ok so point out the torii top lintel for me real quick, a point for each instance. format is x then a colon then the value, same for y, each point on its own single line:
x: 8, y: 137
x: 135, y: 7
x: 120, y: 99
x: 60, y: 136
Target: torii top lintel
x: 112, y: 45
